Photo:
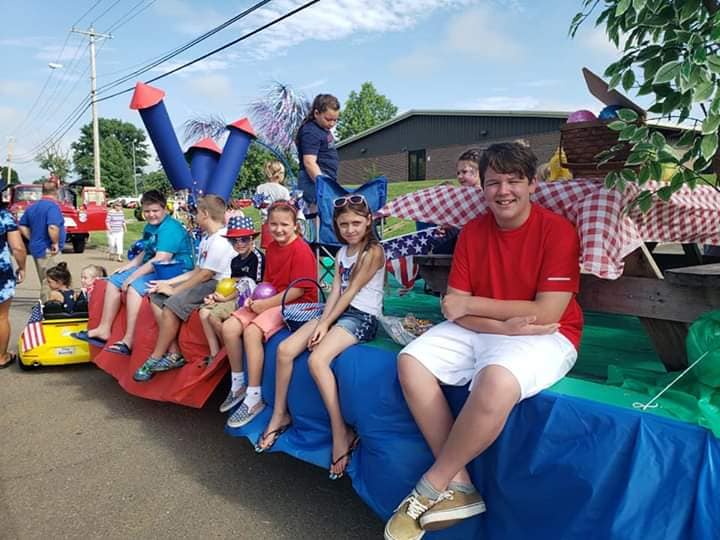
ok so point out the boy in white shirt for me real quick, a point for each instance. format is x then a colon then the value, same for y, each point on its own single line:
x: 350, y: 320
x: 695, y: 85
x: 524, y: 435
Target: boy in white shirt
x: 173, y: 300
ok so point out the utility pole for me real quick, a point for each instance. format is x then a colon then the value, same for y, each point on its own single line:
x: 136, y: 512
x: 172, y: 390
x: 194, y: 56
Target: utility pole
x: 11, y: 141
x: 134, y: 168
x: 93, y: 98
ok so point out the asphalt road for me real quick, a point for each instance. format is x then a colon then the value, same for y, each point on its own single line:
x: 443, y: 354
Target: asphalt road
x: 80, y: 458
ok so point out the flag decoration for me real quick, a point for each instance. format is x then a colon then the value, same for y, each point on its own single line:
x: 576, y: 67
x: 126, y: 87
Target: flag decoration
x: 400, y: 252
x: 33, y: 335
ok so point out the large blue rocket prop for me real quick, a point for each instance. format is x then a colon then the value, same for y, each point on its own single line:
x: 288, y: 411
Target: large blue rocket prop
x: 210, y: 172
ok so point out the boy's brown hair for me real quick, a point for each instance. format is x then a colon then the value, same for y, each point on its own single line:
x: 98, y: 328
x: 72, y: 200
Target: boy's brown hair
x: 508, y: 158
x: 214, y: 205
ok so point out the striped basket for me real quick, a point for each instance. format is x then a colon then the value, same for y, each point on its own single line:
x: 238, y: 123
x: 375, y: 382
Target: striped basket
x: 295, y: 315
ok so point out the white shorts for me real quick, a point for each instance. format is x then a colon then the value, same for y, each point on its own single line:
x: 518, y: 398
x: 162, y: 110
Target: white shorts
x: 455, y: 355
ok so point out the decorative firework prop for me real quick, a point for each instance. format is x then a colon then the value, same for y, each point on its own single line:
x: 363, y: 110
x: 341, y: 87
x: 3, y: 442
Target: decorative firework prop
x: 278, y: 115
x: 233, y: 155
x: 149, y: 101
x: 204, y: 156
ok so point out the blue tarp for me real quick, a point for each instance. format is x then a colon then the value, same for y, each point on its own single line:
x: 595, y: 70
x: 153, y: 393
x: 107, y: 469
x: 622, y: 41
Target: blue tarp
x: 564, y: 467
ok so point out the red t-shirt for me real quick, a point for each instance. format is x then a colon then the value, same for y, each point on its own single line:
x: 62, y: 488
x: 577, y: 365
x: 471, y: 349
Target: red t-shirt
x: 542, y: 255
x: 283, y: 264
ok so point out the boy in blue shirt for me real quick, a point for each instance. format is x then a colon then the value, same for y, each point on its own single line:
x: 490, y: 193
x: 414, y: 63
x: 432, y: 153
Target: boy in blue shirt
x: 164, y: 239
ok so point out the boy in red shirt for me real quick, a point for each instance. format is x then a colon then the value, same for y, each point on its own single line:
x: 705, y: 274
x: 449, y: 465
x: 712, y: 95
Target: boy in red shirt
x: 513, y: 328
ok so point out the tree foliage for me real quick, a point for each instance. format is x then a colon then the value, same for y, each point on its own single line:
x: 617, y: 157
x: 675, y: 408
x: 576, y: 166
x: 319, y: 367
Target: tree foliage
x: 670, y: 51
x: 155, y: 180
x: 363, y: 111
x: 116, y: 149
x: 55, y: 161
x: 14, y: 178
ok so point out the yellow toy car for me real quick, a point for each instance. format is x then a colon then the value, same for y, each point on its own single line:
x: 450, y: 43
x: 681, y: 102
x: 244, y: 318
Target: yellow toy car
x: 51, y: 343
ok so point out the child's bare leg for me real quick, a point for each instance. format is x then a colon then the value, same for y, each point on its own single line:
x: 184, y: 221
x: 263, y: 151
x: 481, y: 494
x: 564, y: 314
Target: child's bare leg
x: 232, y: 331
x: 209, y: 331
x: 133, y: 301
x: 111, y: 306
x: 285, y: 357
x: 336, y: 341
x: 253, y: 339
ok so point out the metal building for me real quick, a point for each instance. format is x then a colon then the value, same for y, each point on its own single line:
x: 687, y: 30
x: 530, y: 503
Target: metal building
x: 425, y: 144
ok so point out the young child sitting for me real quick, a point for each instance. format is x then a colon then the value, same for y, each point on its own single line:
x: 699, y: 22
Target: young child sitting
x: 173, y: 300
x: 272, y: 190
x: 249, y: 263
x: 59, y: 281
x: 350, y: 316
x: 288, y: 257
x: 88, y: 275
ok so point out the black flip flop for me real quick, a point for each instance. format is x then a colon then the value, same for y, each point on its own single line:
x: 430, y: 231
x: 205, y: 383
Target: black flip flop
x: 82, y: 335
x: 275, y: 434
x: 353, y: 446
x: 10, y: 362
x: 119, y: 347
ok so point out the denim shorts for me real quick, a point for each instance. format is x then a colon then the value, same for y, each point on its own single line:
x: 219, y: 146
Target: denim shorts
x: 360, y: 324
x: 307, y: 186
x: 140, y: 284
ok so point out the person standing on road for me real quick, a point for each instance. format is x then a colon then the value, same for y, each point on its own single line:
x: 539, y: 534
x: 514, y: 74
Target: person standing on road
x: 43, y: 225
x: 116, y: 229
x: 10, y: 244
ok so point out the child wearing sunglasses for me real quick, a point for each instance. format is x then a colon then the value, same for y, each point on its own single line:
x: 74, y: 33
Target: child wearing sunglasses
x: 350, y: 316
x: 287, y: 258
x: 249, y: 263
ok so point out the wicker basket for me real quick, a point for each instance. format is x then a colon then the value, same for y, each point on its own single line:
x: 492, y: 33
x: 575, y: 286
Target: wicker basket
x: 583, y: 141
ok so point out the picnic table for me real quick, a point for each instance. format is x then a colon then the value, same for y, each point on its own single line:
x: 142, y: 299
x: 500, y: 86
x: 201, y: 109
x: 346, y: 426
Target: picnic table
x: 619, y: 271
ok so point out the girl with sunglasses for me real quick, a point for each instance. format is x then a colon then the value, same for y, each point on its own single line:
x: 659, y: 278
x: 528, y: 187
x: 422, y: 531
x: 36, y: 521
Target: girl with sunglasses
x: 287, y: 258
x: 350, y: 316
x: 249, y: 263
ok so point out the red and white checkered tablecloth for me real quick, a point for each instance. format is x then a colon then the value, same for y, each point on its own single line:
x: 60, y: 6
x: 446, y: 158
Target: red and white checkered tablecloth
x: 607, y: 233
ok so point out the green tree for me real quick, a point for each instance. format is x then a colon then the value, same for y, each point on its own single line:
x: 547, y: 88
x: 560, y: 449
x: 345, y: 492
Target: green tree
x: 363, y: 111
x: 55, y: 161
x: 115, y: 168
x: 124, y: 135
x: 14, y: 178
x: 155, y: 180
x: 670, y: 51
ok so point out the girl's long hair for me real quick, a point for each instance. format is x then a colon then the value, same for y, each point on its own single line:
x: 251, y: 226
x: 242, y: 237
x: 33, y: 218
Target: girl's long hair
x: 371, y: 239
x: 321, y: 103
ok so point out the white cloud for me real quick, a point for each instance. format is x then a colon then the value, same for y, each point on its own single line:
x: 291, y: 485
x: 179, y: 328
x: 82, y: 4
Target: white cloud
x: 211, y: 87
x: 313, y: 84
x: 16, y: 88
x: 9, y: 117
x: 596, y: 41
x: 190, y: 19
x: 483, y: 33
x: 57, y: 53
x: 524, y: 103
x: 204, y: 66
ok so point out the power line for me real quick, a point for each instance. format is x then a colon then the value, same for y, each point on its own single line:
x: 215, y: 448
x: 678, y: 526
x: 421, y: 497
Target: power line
x: 88, y: 11
x: 127, y: 17
x: 104, y: 12
x: 84, y: 106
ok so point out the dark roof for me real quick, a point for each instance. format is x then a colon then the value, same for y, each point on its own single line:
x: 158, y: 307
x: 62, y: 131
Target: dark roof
x: 436, y: 112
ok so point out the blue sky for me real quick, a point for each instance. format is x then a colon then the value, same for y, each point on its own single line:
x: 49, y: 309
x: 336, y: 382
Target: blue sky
x: 422, y: 54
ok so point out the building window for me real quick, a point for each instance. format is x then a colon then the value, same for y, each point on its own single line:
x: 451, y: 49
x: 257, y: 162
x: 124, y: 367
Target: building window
x: 416, y: 165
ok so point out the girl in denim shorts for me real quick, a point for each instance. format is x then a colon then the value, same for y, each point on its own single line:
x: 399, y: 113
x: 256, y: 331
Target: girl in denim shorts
x: 350, y: 316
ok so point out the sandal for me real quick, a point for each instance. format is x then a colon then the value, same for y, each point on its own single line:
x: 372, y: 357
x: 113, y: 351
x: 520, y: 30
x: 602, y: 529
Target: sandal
x: 10, y: 360
x: 353, y: 446
x: 119, y: 347
x: 275, y: 434
x: 83, y: 335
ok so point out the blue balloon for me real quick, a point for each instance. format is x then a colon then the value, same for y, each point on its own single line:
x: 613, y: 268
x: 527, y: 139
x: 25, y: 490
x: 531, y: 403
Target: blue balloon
x: 610, y: 112
x: 135, y: 248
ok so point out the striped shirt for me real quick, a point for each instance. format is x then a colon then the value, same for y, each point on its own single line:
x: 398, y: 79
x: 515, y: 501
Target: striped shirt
x: 115, y: 221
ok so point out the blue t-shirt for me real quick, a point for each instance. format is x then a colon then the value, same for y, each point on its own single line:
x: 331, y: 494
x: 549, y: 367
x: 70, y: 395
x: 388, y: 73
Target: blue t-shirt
x: 316, y: 141
x: 168, y: 236
x: 37, y: 218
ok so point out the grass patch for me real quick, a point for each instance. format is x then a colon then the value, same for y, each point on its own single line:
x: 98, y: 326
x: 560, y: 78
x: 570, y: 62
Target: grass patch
x: 393, y: 226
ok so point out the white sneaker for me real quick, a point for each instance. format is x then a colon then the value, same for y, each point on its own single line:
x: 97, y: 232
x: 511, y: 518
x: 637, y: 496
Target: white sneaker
x: 233, y: 399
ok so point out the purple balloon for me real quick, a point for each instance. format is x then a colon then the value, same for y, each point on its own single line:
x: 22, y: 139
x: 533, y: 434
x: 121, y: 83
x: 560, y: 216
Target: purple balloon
x: 583, y: 115
x: 263, y: 290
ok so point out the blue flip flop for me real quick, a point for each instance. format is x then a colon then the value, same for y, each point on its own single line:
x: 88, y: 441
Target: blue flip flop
x: 83, y: 336
x: 119, y: 347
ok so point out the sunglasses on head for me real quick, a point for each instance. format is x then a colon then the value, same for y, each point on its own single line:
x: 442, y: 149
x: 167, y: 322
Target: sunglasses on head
x: 349, y: 199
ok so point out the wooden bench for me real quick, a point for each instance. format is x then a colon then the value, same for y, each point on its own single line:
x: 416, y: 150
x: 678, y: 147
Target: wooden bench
x: 666, y: 303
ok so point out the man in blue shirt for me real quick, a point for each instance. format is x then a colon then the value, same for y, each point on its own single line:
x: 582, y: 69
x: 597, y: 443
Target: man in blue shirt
x: 44, y: 227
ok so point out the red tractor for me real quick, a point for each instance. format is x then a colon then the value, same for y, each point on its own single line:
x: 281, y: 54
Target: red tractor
x: 81, y: 217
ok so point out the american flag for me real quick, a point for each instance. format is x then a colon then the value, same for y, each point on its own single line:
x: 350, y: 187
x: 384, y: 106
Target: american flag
x: 33, y: 335
x: 399, y: 253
